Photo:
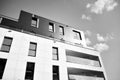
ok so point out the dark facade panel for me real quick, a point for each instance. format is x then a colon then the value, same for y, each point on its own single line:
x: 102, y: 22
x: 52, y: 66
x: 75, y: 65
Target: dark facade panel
x: 24, y: 23
x: 10, y: 23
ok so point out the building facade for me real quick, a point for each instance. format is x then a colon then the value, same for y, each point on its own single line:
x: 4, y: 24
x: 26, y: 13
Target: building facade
x: 36, y: 48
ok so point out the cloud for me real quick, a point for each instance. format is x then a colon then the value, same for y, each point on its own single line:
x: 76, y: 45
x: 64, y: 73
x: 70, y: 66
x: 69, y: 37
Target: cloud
x: 86, y: 17
x: 88, y: 42
x: 100, y: 5
x: 106, y: 38
x: 88, y: 5
x: 88, y: 33
x: 100, y: 38
x: 101, y: 47
x: 111, y: 5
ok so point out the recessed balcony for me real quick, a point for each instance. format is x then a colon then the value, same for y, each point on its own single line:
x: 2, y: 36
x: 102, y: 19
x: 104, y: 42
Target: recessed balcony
x: 82, y: 58
x: 82, y: 74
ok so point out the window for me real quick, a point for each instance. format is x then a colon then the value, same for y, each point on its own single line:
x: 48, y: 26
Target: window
x: 2, y: 67
x: 51, y: 27
x: 77, y: 35
x: 35, y: 22
x: 32, y: 49
x: 6, y: 44
x: 55, y: 53
x: 29, y: 75
x: 61, y: 30
x: 55, y: 73
x: 0, y: 19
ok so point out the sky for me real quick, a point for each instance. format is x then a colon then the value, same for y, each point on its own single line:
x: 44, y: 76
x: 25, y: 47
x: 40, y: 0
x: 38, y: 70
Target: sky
x: 99, y: 19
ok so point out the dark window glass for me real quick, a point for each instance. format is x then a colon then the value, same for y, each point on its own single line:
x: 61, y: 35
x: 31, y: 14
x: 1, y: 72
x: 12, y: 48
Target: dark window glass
x: 51, y: 27
x: 34, y: 22
x: 77, y: 35
x: 0, y: 19
x: 55, y: 73
x: 61, y: 30
x: 6, y: 44
x: 32, y: 49
x: 2, y: 67
x: 29, y: 75
x: 55, y: 53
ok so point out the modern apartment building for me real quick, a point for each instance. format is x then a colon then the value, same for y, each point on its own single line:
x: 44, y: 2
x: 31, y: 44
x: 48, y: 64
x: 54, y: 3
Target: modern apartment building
x: 36, y: 48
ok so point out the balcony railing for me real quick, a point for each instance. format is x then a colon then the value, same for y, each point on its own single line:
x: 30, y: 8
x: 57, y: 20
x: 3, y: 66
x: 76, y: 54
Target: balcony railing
x: 83, y: 61
x: 81, y: 77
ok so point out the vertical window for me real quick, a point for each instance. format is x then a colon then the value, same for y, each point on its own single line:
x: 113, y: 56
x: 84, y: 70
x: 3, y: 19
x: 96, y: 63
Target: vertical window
x: 29, y: 75
x: 35, y: 22
x: 2, y: 67
x: 0, y: 19
x: 55, y: 53
x: 32, y: 49
x: 51, y: 27
x: 61, y: 30
x: 6, y: 44
x: 55, y: 73
x: 77, y: 35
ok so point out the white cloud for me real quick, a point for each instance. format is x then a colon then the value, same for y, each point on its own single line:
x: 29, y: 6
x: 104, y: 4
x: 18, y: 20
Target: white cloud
x: 100, y: 38
x: 86, y: 17
x: 111, y: 6
x: 88, y: 33
x: 106, y: 38
x: 101, y: 47
x: 88, y: 42
x: 101, y: 5
x: 88, y: 5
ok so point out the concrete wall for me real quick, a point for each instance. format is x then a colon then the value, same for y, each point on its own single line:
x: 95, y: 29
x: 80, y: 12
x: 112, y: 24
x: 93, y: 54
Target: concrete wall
x: 18, y: 57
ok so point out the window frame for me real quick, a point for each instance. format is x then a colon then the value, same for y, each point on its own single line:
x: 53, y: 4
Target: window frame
x: 55, y: 73
x: 36, y: 20
x: 4, y: 44
x: 77, y: 35
x: 61, y: 30
x: 32, y: 43
x: 51, y: 27
x: 29, y: 71
x: 55, y: 54
x: 2, y: 67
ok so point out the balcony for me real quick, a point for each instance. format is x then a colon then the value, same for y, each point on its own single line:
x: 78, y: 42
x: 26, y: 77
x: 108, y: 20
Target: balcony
x: 84, y: 74
x: 82, y: 58
x: 83, y: 61
x: 80, y: 77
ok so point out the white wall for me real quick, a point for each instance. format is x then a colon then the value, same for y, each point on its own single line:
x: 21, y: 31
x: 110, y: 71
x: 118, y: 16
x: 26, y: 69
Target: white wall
x: 18, y: 57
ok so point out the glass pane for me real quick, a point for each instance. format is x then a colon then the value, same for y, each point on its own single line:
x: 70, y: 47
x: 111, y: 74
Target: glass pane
x: 32, y: 53
x: 51, y: 28
x: 7, y: 41
x: 61, y: 30
x: 55, y: 50
x: 77, y: 35
x: 2, y: 67
x: 55, y: 73
x: 5, y: 48
x: 29, y: 71
x: 34, y: 22
x: 33, y: 46
x: 55, y: 57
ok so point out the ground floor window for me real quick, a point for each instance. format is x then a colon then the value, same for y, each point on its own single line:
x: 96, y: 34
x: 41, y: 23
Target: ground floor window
x: 2, y: 67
